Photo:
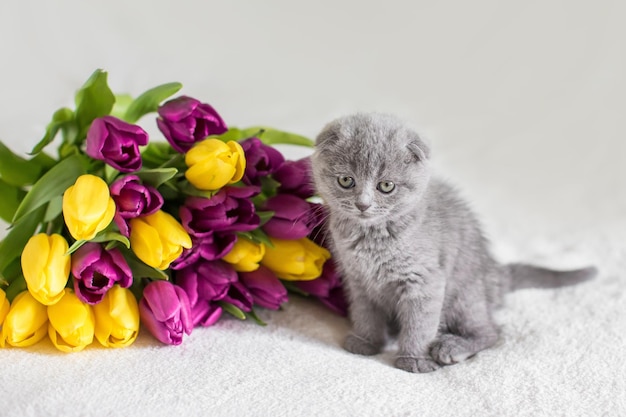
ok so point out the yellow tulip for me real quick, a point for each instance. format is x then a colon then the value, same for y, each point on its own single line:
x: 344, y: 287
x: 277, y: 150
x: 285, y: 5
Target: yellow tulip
x: 117, y: 318
x: 4, y: 306
x: 25, y: 324
x: 295, y: 260
x: 71, y: 323
x: 245, y: 255
x: 46, y: 267
x: 213, y: 164
x: 158, y: 239
x: 87, y: 207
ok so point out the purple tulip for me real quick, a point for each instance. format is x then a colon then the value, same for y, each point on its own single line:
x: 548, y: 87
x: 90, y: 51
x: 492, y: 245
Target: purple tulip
x: 293, y: 217
x: 267, y: 290
x: 210, y: 248
x: 96, y: 270
x: 166, y: 312
x: 133, y: 199
x: 206, y: 314
x: 116, y: 142
x: 206, y: 282
x: 261, y: 160
x: 185, y: 121
x: 295, y: 178
x: 327, y: 288
x: 230, y: 210
x: 239, y: 296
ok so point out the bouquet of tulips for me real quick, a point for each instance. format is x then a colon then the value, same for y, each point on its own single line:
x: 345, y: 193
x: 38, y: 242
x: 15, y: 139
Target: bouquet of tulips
x: 117, y: 230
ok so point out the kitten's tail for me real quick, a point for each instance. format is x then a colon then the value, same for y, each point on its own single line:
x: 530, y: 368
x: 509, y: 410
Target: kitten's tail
x: 530, y: 276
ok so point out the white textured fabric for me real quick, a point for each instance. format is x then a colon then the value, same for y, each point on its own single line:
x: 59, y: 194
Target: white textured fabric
x: 524, y: 106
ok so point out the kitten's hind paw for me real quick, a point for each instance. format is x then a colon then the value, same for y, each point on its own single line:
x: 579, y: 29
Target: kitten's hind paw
x: 359, y: 346
x: 416, y: 365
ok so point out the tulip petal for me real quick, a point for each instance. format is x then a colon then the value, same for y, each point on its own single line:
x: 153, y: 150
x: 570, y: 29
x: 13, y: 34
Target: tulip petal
x: 162, y: 300
x: 146, y: 243
x: 71, y: 323
x: 117, y: 318
x: 87, y: 207
x: 46, y: 267
x: 26, y: 322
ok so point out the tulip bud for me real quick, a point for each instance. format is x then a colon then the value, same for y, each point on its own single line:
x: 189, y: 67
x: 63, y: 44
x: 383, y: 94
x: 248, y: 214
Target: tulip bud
x: 96, y: 270
x: 87, y: 207
x: 116, y: 142
x: 25, y: 323
x: 261, y: 160
x: 134, y: 199
x: 185, y: 121
x: 165, y: 311
x: 245, y: 255
x: 158, y: 239
x: 267, y: 290
x: 4, y: 306
x: 293, y: 218
x: 229, y: 210
x: 295, y: 260
x: 46, y: 267
x: 117, y: 318
x: 295, y: 178
x: 205, y: 283
x: 213, y: 164
x: 72, y: 323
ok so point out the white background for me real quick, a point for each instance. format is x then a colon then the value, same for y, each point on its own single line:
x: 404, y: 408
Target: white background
x: 523, y: 102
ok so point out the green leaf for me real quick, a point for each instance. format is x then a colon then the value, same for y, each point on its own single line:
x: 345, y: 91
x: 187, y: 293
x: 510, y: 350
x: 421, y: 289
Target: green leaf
x: 271, y: 136
x: 11, y: 272
x: 156, y: 177
x: 265, y: 216
x: 51, y: 185
x: 252, y: 314
x: 149, y: 101
x: 16, y: 287
x: 54, y: 209
x: 95, y: 99
x: 110, y: 237
x: 11, y: 198
x: 60, y: 118
x: 18, y: 171
x: 75, y: 246
x: 13, y: 244
x: 187, y: 189
x: 269, y: 186
x: 110, y: 173
x: 232, y: 310
x: 140, y: 269
x: 122, y: 103
x: 156, y: 154
x: 291, y: 287
x: 232, y: 134
x: 257, y: 236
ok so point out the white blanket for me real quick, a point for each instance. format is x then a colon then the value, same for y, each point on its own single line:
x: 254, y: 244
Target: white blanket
x: 524, y: 106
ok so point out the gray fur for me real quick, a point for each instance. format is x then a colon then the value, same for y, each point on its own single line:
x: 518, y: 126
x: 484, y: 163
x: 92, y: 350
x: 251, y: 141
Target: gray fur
x: 414, y: 261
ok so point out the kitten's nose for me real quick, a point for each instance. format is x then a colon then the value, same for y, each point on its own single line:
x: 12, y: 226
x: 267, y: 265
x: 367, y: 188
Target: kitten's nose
x: 362, y: 206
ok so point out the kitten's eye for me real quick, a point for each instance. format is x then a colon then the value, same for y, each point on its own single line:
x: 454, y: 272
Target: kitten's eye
x: 346, y: 182
x: 386, y: 187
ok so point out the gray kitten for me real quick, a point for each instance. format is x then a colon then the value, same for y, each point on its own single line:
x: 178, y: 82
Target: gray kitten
x: 413, y: 257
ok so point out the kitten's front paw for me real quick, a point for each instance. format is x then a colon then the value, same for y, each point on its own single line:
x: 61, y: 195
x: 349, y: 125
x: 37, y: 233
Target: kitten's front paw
x: 416, y: 365
x: 355, y: 344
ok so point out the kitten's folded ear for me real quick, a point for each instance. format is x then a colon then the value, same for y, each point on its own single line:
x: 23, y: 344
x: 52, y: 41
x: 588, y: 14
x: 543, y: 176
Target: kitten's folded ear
x: 418, y: 147
x: 327, y: 136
